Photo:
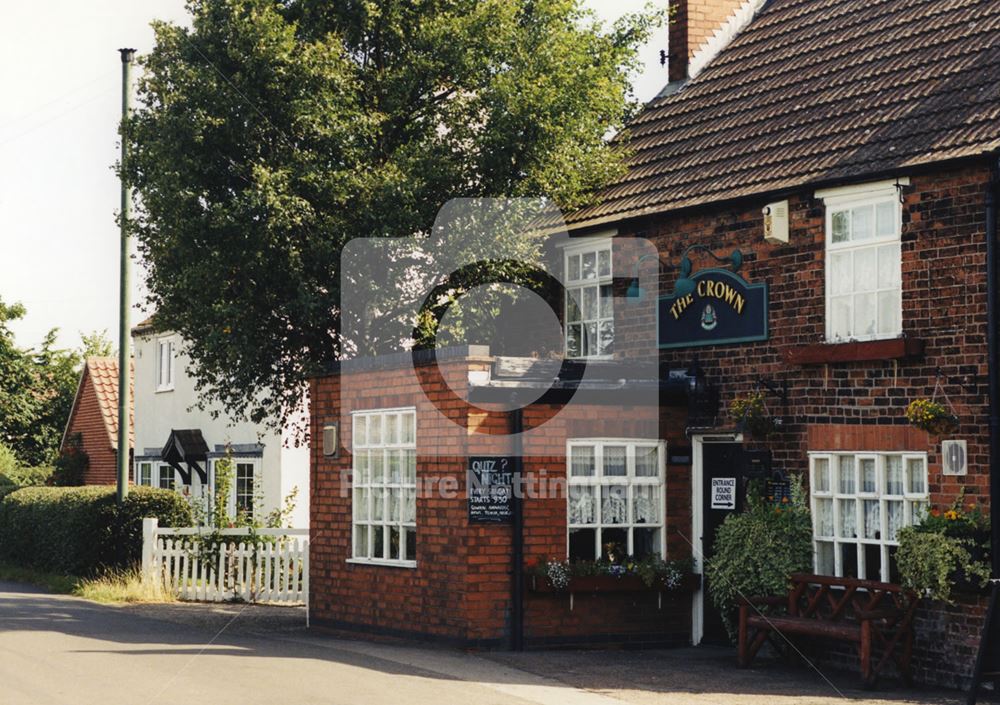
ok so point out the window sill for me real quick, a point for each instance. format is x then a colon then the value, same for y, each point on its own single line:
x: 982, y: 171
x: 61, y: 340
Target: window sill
x: 856, y: 351
x: 382, y: 562
x: 161, y: 390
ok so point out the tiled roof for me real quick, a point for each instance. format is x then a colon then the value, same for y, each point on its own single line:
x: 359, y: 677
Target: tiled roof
x: 103, y: 372
x: 817, y: 91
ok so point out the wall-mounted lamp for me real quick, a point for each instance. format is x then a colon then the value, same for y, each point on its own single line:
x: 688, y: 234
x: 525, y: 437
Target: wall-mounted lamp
x: 685, y: 284
x: 331, y: 440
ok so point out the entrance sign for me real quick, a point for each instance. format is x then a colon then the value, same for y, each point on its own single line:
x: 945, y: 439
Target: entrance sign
x: 490, y: 487
x: 723, y: 309
x: 724, y: 493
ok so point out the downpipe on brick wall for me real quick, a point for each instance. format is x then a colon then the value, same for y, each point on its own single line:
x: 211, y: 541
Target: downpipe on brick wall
x: 989, y: 642
x: 517, y: 532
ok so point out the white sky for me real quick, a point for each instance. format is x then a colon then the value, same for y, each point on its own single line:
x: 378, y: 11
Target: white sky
x: 60, y: 78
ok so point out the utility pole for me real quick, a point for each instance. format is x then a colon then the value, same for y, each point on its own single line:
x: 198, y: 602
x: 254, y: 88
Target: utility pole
x: 124, y: 335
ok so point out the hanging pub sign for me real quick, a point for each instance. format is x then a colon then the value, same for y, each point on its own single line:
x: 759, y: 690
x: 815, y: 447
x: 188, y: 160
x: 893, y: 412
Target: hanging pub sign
x: 721, y: 308
x: 490, y: 485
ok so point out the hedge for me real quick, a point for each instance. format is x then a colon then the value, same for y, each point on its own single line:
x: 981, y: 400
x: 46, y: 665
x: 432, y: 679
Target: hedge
x: 82, y: 530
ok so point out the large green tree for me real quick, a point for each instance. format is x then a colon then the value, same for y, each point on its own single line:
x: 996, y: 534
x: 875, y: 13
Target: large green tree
x: 272, y: 132
x: 37, y: 387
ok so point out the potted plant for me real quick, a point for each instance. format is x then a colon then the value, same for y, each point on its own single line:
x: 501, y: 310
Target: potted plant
x: 931, y: 416
x: 750, y: 414
x: 946, y: 552
x: 758, y: 549
x: 612, y: 574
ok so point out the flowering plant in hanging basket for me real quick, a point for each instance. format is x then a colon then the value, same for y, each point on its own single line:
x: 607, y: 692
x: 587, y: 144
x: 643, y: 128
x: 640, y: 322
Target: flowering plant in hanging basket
x: 930, y: 416
x: 750, y: 414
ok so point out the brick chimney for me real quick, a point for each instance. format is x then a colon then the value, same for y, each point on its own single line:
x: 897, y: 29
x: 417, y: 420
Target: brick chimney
x: 693, y: 23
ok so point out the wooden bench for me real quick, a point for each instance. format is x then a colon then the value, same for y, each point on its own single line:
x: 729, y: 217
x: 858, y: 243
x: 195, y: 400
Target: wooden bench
x: 866, y: 612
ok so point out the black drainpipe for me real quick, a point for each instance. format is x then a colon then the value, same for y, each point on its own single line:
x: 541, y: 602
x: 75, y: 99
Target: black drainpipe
x: 986, y: 660
x: 992, y: 199
x: 517, y: 534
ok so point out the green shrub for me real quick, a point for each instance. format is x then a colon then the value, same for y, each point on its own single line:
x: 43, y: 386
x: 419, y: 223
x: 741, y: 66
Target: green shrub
x: 757, y: 550
x: 72, y: 463
x: 8, y: 461
x: 30, y: 477
x: 13, y: 476
x: 82, y: 530
x: 945, y: 550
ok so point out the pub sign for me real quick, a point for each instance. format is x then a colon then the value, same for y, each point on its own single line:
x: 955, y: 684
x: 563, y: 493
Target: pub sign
x: 722, y: 309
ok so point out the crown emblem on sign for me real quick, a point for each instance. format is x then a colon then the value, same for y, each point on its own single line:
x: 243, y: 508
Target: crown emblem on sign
x: 708, y: 318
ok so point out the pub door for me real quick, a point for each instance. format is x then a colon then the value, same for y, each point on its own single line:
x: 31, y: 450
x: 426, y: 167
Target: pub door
x: 721, y: 470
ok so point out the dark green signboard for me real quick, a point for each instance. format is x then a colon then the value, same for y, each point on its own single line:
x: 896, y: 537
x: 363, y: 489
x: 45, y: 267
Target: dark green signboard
x: 722, y: 309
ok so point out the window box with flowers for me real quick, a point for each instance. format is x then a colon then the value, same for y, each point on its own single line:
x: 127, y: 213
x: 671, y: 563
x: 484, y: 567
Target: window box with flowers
x: 610, y: 575
x: 947, y: 552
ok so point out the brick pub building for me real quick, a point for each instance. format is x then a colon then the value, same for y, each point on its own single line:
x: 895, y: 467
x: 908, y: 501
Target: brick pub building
x: 840, y: 158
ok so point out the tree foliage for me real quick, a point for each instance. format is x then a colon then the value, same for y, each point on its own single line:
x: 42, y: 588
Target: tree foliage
x: 37, y: 387
x: 272, y: 133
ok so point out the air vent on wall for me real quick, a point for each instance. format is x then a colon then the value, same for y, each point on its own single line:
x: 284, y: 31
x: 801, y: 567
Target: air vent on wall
x: 776, y: 222
x: 954, y: 457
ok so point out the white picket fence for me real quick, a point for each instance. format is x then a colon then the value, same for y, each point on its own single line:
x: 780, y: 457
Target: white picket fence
x: 275, y: 571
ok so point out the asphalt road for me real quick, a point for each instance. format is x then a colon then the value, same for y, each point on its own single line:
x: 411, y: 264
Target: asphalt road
x: 60, y: 650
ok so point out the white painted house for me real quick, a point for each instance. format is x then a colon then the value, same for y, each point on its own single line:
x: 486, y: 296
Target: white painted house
x: 178, y: 445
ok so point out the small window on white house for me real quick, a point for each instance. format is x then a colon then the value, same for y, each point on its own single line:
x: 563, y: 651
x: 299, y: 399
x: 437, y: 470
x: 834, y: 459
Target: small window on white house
x: 589, y: 313
x: 384, y: 495
x: 145, y: 474
x: 860, y: 501
x: 615, y: 498
x: 164, y: 364
x: 166, y: 478
x: 245, y: 488
x: 863, y: 263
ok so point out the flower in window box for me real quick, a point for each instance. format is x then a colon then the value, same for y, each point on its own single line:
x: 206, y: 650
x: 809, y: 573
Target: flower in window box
x: 946, y: 551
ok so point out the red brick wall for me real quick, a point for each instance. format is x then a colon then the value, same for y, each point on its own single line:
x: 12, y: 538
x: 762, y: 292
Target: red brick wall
x: 460, y: 590
x: 87, y: 421
x: 860, y: 405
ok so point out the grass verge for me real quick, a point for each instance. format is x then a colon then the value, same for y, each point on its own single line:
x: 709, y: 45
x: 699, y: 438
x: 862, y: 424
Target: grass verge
x: 53, y: 582
x: 124, y: 586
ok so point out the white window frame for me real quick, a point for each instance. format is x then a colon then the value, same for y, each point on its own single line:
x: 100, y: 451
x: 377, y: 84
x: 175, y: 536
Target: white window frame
x: 165, y: 373
x: 254, y: 465
x: 575, y: 286
x: 599, y: 480
x: 160, y: 468
x: 856, y: 197
x: 913, y: 506
x: 144, y: 473
x: 365, y: 490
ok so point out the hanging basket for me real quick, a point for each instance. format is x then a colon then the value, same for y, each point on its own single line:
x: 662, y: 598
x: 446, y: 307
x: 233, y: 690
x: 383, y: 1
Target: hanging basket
x: 751, y: 416
x: 932, y: 417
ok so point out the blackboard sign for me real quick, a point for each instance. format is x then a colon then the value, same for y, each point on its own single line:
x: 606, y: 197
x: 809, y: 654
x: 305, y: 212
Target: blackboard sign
x: 490, y: 484
x: 723, y: 309
x: 779, y: 492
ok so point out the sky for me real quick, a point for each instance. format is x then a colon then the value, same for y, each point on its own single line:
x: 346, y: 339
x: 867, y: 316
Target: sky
x: 60, y: 102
